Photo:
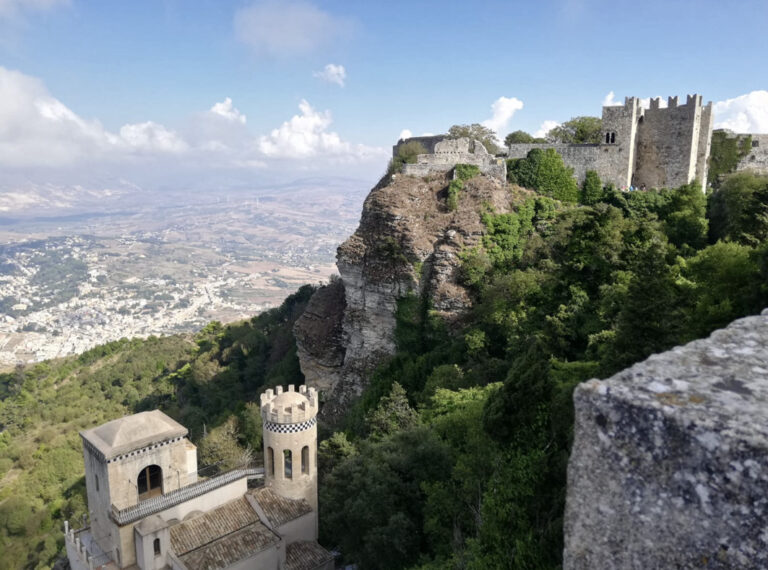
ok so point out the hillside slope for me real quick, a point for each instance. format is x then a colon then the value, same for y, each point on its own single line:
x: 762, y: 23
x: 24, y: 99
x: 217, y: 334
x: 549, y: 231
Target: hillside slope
x: 205, y: 381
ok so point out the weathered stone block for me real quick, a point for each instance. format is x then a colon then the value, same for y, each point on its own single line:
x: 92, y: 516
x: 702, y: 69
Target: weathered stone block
x: 669, y: 467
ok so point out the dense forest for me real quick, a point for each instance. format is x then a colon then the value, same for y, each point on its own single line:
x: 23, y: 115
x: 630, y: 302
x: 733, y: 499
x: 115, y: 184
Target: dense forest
x: 455, y: 456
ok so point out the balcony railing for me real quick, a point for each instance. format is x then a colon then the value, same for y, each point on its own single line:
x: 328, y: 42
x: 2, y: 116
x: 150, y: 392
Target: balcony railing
x: 157, y: 504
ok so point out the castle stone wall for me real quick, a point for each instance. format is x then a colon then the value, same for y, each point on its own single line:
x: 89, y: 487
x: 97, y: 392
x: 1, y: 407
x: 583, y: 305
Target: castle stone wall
x: 668, y: 144
x: 669, y: 467
x: 427, y: 142
x: 655, y: 147
x: 450, y: 152
x: 757, y: 159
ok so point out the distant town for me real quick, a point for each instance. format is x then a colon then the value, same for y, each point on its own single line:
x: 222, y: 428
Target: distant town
x: 132, y: 275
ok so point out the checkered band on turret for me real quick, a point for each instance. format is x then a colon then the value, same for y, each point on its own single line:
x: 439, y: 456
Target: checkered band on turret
x: 289, y: 428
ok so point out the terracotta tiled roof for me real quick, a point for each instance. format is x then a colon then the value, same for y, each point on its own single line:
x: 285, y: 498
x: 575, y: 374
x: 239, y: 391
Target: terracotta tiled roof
x: 221, y: 537
x: 306, y: 555
x: 280, y: 510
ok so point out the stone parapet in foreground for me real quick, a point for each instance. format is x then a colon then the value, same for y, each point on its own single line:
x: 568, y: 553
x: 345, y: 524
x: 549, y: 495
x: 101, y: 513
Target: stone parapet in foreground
x: 669, y: 467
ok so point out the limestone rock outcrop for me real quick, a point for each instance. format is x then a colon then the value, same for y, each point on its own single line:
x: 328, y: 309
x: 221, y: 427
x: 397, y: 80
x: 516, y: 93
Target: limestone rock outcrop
x: 669, y: 467
x: 408, y: 243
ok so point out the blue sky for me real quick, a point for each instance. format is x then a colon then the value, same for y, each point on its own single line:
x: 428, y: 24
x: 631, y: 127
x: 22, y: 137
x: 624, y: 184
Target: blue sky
x: 136, y: 83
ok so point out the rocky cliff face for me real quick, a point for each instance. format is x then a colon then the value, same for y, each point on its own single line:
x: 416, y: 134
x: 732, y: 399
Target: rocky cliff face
x: 407, y: 242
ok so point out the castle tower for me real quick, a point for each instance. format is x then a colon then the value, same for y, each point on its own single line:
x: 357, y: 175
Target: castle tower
x: 290, y: 442
x: 616, y: 158
x: 130, y: 460
x: 673, y: 143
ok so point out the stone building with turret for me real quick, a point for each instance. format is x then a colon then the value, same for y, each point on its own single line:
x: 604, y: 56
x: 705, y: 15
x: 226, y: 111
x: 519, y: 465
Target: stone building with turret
x: 150, y: 508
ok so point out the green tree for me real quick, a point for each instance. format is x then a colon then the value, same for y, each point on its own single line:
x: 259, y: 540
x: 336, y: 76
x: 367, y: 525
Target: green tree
x: 372, y: 503
x: 406, y: 154
x: 332, y: 451
x: 578, y: 130
x: 738, y: 210
x: 393, y: 414
x: 727, y: 284
x: 220, y: 447
x: 686, y: 223
x: 651, y: 318
x: 477, y: 132
x: 543, y: 170
x: 591, y: 188
x: 517, y: 137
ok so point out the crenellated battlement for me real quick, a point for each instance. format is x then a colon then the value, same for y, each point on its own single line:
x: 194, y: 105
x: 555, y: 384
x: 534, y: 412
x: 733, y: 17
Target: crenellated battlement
x: 289, y: 407
x: 661, y: 146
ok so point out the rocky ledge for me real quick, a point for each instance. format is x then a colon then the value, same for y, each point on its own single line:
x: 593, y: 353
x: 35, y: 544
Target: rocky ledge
x: 408, y: 243
x: 669, y: 467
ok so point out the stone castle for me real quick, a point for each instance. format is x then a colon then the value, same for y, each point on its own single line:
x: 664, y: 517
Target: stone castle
x: 658, y: 147
x: 150, y: 508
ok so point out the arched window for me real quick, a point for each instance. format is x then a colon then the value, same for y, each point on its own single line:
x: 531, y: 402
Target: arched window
x: 613, y: 138
x: 271, y: 461
x: 288, y: 456
x: 150, y: 483
x: 607, y: 138
x: 305, y: 460
x: 156, y: 545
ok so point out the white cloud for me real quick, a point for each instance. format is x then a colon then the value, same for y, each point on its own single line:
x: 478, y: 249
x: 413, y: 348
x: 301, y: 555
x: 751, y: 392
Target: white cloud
x: 151, y: 137
x: 503, y: 110
x: 227, y: 110
x: 306, y: 136
x: 40, y: 134
x: 743, y: 114
x: 545, y: 127
x: 610, y: 101
x: 287, y: 28
x: 37, y: 128
x: 405, y: 134
x: 332, y: 73
x: 10, y: 9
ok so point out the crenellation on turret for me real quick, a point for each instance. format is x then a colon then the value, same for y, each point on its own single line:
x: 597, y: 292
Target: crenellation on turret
x: 291, y: 406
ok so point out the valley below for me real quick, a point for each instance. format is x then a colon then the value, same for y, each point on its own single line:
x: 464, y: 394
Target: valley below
x: 135, y: 265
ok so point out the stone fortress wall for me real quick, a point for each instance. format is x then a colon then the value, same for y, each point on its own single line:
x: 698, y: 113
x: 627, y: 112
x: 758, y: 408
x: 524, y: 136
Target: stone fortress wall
x: 655, y: 147
x: 757, y: 159
x: 428, y: 142
x: 450, y: 152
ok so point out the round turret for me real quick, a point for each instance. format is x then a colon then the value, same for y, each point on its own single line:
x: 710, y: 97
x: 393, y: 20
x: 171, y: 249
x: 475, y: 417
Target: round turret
x: 290, y: 442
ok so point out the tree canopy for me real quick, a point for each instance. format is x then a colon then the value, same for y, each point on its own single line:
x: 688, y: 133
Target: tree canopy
x: 561, y: 293
x: 478, y: 132
x: 543, y: 170
x: 577, y: 130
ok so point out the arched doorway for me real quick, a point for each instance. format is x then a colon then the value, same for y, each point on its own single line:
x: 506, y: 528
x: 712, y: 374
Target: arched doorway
x: 150, y: 482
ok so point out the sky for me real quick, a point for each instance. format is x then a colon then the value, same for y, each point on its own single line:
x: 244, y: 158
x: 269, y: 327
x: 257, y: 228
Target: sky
x: 181, y: 92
